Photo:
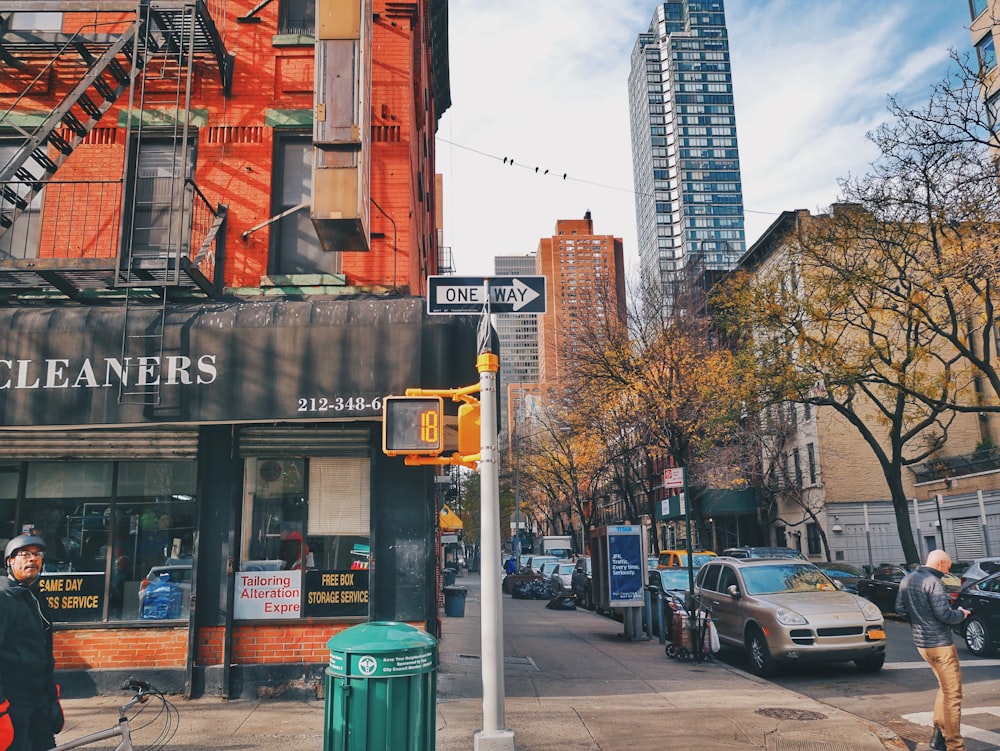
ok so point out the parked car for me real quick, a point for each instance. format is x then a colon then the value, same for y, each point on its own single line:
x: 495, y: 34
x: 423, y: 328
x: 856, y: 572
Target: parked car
x: 582, y: 582
x: 845, y: 574
x: 788, y: 611
x: 546, y: 568
x: 561, y: 577
x: 981, y: 630
x: 670, y: 582
x: 534, y: 564
x: 980, y: 568
x: 763, y: 552
x: 671, y: 586
x: 883, y: 586
x: 678, y: 558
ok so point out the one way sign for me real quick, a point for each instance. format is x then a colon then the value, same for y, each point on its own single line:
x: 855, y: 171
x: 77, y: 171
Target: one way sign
x: 467, y: 294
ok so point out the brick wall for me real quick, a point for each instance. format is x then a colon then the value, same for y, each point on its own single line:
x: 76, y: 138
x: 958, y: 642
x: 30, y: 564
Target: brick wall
x: 235, y: 147
x: 83, y: 649
x: 253, y: 644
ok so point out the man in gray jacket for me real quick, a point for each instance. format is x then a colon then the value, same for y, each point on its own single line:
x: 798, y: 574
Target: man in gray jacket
x: 924, y: 602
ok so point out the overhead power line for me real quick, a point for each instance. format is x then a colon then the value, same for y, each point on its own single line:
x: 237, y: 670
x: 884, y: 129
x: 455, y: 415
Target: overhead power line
x: 510, y: 161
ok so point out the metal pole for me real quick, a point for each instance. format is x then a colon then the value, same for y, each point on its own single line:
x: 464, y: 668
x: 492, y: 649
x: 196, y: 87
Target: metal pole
x: 868, y: 537
x: 517, y: 496
x: 982, y: 516
x: 493, y: 736
x: 693, y: 612
x: 937, y: 504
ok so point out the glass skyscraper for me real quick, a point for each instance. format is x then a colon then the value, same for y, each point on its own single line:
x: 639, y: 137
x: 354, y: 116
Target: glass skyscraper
x: 688, y: 191
x: 518, y: 335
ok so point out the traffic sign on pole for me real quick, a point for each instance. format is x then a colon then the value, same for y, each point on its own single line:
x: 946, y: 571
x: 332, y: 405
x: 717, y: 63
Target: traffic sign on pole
x: 450, y: 295
x: 673, y: 477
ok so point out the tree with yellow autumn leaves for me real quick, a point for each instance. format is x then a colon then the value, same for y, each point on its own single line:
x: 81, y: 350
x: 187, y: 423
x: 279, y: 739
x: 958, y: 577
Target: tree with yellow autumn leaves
x: 883, y: 311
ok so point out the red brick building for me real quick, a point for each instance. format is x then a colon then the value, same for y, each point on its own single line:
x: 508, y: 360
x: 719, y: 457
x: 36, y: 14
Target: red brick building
x: 216, y: 224
x: 586, y: 283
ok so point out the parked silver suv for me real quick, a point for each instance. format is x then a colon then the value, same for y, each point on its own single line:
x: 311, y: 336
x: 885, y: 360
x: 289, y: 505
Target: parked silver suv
x: 785, y: 610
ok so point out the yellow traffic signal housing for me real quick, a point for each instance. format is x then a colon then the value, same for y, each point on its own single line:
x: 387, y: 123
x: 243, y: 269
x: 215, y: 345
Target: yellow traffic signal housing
x: 469, y: 440
x: 413, y: 425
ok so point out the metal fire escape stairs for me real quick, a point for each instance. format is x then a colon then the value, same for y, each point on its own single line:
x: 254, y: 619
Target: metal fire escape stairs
x: 154, y: 61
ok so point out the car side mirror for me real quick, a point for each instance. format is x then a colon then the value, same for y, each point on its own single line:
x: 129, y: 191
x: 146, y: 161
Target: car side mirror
x: 733, y: 591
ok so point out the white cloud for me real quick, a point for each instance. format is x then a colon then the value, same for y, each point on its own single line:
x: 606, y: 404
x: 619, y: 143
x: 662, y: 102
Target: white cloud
x: 545, y: 83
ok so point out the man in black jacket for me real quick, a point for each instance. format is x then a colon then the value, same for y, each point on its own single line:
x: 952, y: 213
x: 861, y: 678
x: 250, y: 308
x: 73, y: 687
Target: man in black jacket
x: 30, y: 714
x: 924, y: 602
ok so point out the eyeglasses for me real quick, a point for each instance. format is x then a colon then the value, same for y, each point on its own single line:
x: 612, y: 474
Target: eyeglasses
x: 29, y: 554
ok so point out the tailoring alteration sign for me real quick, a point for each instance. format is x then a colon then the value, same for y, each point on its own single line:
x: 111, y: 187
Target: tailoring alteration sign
x: 267, y: 595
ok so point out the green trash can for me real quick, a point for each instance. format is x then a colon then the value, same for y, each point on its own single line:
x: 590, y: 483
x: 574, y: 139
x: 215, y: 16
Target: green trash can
x: 381, y: 689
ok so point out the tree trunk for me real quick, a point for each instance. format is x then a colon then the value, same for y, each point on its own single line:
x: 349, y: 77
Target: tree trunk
x: 901, y: 506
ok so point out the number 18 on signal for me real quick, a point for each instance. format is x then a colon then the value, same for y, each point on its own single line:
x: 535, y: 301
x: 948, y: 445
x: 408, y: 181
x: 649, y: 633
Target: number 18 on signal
x: 412, y: 425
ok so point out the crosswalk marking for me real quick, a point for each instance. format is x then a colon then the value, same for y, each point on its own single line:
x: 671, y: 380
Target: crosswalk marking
x: 968, y: 731
x: 920, y: 664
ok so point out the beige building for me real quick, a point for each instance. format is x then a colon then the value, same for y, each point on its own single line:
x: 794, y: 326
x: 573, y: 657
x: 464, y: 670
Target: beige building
x: 985, y: 18
x: 830, y: 492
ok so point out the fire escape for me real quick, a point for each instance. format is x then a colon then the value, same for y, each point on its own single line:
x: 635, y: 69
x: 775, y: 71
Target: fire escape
x: 141, y: 238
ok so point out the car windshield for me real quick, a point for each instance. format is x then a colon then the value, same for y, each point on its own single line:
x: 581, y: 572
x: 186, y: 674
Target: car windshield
x: 674, y: 578
x: 566, y: 568
x: 785, y: 577
x: 843, y: 571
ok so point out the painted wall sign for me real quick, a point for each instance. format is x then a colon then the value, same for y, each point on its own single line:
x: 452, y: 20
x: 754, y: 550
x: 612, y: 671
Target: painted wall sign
x: 283, y: 360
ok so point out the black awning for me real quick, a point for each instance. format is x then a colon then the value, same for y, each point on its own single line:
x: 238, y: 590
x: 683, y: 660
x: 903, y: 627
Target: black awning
x: 225, y: 362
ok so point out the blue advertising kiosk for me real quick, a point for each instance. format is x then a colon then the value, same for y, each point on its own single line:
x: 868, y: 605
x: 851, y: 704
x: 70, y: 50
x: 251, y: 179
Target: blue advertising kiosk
x: 618, y: 562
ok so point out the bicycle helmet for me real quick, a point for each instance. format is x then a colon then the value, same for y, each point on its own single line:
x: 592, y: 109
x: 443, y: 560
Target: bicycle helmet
x: 22, y: 541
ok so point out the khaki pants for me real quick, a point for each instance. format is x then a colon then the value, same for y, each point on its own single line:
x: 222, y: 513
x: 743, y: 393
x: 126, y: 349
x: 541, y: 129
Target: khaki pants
x: 948, y: 703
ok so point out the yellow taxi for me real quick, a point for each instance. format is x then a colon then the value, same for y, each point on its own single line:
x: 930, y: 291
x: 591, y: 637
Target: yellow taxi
x: 678, y: 558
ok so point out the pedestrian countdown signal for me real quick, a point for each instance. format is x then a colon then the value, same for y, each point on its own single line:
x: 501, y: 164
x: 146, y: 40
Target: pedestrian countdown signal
x: 413, y: 425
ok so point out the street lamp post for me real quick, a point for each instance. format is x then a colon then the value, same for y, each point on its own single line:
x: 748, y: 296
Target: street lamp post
x: 517, y: 497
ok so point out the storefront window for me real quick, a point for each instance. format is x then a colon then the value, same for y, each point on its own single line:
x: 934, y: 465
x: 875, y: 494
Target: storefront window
x: 9, y: 475
x: 306, y: 538
x: 108, y: 525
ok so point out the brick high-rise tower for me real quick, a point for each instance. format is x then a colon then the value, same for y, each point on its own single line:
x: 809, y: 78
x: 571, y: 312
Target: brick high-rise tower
x: 585, y: 279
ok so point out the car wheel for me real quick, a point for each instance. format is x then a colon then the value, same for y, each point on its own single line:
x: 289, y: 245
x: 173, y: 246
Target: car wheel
x: 872, y: 663
x: 761, y: 662
x: 977, y: 637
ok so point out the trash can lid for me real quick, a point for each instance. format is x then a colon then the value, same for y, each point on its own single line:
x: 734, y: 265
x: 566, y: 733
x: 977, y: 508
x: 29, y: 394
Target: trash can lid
x: 381, y: 636
x: 454, y: 590
x: 379, y: 649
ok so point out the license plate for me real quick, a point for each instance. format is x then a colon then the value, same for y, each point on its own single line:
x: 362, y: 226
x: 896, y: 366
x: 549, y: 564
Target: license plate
x: 875, y: 634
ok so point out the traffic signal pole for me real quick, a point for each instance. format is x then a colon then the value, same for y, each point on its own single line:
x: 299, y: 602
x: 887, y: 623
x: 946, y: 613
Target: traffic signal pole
x: 494, y: 736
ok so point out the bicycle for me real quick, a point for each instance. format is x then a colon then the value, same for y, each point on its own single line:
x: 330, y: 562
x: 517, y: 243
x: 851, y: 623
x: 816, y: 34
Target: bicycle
x: 142, y: 693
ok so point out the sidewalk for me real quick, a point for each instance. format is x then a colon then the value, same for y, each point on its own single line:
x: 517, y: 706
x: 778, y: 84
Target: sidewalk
x: 572, y: 683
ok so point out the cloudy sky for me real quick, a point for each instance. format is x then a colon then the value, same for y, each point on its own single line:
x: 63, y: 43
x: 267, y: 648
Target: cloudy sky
x: 544, y: 83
